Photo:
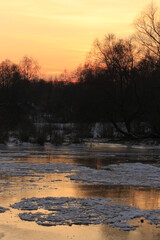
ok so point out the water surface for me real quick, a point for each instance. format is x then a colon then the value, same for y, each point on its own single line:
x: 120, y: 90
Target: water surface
x: 13, y: 188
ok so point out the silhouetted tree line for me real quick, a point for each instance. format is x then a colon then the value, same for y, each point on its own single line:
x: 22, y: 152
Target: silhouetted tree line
x: 119, y: 83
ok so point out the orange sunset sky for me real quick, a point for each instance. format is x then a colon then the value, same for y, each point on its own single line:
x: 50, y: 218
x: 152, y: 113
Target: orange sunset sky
x: 59, y: 33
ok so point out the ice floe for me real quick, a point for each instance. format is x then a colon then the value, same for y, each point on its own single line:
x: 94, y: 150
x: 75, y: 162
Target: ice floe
x: 2, y: 209
x: 129, y: 174
x: 132, y: 174
x: 83, y: 211
x: 28, y: 169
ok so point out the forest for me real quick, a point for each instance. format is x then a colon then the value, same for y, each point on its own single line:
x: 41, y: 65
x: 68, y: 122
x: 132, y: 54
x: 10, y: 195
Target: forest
x: 118, y: 84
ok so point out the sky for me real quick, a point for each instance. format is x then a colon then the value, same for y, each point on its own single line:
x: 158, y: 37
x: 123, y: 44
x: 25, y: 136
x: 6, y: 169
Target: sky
x: 59, y: 33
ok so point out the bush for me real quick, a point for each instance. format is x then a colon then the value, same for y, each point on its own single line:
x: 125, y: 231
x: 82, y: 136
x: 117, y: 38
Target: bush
x: 83, y: 130
x: 57, y: 138
x: 40, y: 137
x: 27, y: 131
x: 3, y: 136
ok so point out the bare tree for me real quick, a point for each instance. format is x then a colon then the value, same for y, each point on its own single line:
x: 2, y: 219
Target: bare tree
x: 29, y: 68
x: 148, y: 30
x: 9, y: 73
x: 119, y: 58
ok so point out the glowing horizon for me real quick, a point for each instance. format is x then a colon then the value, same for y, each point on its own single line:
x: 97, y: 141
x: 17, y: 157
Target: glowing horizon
x: 59, y: 33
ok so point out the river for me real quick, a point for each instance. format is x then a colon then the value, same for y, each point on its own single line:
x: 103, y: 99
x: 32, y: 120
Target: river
x: 93, y: 192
